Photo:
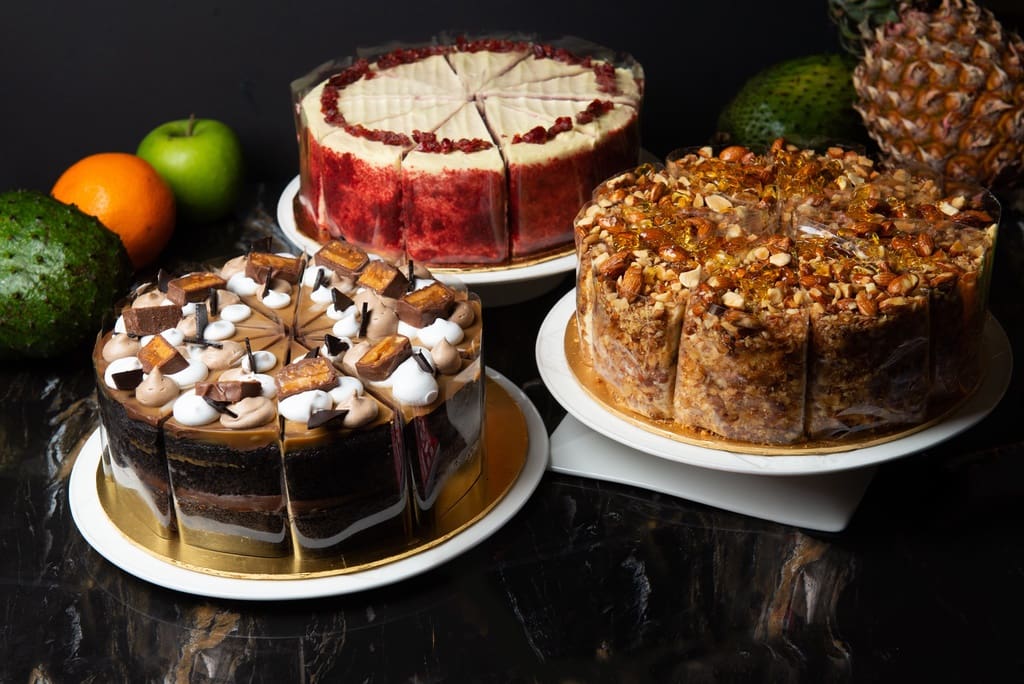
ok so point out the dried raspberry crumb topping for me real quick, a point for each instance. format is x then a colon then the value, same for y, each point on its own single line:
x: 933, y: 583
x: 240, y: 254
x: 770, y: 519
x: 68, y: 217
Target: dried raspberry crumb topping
x: 539, y: 135
x: 594, y: 110
x: 428, y: 142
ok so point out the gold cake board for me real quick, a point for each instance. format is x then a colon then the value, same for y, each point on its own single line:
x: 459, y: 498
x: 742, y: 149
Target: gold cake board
x: 504, y: 451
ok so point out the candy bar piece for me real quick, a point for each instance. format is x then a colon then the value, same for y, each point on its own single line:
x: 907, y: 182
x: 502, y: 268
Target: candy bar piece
x: 159, y: 353
x: 422, y: 307
x: 149, y: 320
x: 230, y: 391
x: 287, y: 268
x: 384, y: 357
x: 343, y: 258
x: 384, y: 279
x: 304, y: 375
x: 194, y: 287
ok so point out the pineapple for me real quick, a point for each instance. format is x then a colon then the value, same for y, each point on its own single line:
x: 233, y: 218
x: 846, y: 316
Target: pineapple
x: 943, y: 88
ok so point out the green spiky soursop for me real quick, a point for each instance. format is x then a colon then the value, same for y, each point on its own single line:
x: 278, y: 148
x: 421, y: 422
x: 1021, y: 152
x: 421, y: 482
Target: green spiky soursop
x: 807, y: 100
x: 60, y: 272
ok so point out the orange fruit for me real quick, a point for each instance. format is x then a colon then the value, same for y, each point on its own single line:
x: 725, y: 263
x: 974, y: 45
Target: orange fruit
x: 127, y: 195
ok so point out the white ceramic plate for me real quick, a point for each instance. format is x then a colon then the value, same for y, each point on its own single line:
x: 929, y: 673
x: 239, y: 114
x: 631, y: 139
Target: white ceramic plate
x: 533, y: 279
x: 101, y: 533
x: 560, y: 380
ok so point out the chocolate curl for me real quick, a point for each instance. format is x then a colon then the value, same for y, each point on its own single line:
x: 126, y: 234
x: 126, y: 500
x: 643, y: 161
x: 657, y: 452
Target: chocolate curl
x: 340, y: 300
x: 264, y: 277
x: 220, y: 407
x: 204, y: 343
x: 335, y: 345
x: 329, y: 418
x: 411, y: 277
x: 365, y: 320
x: 202, y: 319
x: 252, y: 357
x: 422, y: 362
x: 312, y: 353
x: 214, y: 302
x: 127, y: 380
x: 162, y: 279
x: 320, y: 279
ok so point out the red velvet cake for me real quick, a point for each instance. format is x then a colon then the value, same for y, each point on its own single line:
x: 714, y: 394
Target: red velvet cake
x: 468, y: 152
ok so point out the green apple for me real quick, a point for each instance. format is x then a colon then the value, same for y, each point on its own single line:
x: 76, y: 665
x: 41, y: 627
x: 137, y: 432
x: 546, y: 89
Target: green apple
x: 201, y: 159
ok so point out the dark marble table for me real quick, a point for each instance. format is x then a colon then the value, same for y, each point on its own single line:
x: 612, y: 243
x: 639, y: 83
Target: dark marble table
x: 589, y: 582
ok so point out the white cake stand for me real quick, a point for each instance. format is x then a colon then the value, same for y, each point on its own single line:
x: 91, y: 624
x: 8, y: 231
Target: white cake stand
x: 495, y: 286
x: 818, y: 491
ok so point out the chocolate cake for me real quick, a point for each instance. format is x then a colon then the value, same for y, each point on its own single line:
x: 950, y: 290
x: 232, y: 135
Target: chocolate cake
x: 783, y: 297
x: 282, y: 405
x: 463, y: 152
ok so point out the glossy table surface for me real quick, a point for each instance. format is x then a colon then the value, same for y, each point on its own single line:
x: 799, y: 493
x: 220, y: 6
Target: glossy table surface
x: 589, y: 582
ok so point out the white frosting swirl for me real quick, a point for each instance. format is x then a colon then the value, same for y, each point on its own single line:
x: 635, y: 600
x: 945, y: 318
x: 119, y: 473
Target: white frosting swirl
x: 173, y: 336
x: 236, y: 313
x: 125, y: 363
x: 298, y: 407
x: 411, y: 385
x: 218, y: 330
x: 276, y: 300
x: 428, y: 336
x: 348, y: 326
x: 268, y: 387
x: 347, y: 388
x: 193, y: 411
x: 243, y: 285
x: 350, y: 310
x: 265, y: 360
x: 196, y: 371
x: 119, y: 326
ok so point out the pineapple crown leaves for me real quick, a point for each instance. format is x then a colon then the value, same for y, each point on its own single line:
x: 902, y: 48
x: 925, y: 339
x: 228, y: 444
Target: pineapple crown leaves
x: 857, y: 20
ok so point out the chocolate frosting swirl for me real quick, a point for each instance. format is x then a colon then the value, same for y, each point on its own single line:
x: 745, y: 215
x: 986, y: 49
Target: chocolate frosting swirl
x: 120, y: 346
x: 362, y: 410
x: 156, y: 389
x: 249, y: 413
x: 446, y: 357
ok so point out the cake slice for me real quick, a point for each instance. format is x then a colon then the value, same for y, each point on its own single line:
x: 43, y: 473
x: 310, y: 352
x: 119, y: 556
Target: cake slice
x: 454, y: 194
x: 362, y: 169
x: 352, y: 503
x: 477, y: 68
x: 549, y: 174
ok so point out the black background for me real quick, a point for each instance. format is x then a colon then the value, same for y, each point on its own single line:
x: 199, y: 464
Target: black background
x: 80, y: 78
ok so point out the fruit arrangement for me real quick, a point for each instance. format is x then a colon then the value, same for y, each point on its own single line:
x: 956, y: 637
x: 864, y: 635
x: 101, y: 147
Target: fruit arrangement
x: 67, y: 256
x: 936, y: 85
